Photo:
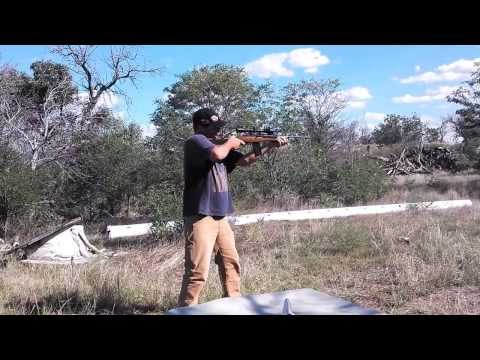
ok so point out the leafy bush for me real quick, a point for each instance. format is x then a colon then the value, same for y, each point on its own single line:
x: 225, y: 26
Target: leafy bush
x: 19, y: 187
x: 165, y: 202
x: 306, y: 171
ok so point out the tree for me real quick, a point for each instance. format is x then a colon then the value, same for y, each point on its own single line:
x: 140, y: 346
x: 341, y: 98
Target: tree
x: 444, y: 128
x: 39, y: 111
x: 224, y: 88
x: 365, y: 136
x: 390, y: 132
x: 346, y: 140
x: 114, y: 169
x: 467, y: 124
x: 121, y: 64
x: 18, y: 187
x: 468, y: 97
x: 412, y: 129
x: 399, y: 129
x: 313, y: 106
x: 432, y: 135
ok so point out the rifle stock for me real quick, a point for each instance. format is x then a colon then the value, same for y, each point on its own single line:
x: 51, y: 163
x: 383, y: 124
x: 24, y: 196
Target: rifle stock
x: 252, y: 136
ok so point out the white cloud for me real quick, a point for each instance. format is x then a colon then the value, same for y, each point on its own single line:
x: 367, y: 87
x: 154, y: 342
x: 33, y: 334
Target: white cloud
x: 462, y: 66
x: 430, y: 76
x: 311, y: 70
x: 417, y: 68
x: 307, y: 58
x: 431, y: 95
x: 458, y: 70
x: 276, y: 64
x: 372, y: 119
x: 148, y: 130
x: 358, y: 93
x: 356, y: 96
x: 268, y: 66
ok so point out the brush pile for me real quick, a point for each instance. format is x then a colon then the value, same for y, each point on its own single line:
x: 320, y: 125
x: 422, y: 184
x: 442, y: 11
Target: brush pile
x: 416, y: 160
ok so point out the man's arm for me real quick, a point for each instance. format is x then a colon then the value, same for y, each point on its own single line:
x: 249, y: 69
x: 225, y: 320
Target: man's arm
x: 249, y: 158
x: 220, y: 152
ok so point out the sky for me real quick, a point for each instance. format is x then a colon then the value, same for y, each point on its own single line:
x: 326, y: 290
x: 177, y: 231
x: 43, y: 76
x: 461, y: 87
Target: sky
x: 376, y: 79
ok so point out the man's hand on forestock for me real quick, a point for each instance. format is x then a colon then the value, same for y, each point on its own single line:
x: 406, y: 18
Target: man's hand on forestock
x: 279, y: 142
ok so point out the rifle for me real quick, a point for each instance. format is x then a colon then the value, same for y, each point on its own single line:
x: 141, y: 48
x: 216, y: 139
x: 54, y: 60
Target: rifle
x: 255, y: 137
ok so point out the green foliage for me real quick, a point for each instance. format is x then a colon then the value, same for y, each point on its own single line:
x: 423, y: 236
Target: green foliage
x: 165, y: 203
x: 432, y: 135
x: 19, y: 187
x: 468, y: 97
x: 47, y: 76
x: 227, y: 89
x: 359, y: 181
x: 467, y: 124
x: 109, y: 172
x: 306, y: 171
x: 399, y: 129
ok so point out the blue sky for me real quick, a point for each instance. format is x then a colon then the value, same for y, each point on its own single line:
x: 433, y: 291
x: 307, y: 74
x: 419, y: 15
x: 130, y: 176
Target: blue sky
x: 377, y: 79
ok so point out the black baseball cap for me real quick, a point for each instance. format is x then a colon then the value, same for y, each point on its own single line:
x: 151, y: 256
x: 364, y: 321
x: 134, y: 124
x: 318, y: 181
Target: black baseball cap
x: 206, y: 117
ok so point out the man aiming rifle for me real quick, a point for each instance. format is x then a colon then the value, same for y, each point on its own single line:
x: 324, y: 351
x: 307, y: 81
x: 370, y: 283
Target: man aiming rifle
x: 206, y: 203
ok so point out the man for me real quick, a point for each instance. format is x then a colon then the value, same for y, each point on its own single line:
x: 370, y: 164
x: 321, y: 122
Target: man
x: 207, y: 202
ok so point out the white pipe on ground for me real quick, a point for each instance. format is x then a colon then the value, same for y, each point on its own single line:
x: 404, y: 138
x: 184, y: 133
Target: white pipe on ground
x: 346, y: 211
x: 121, y: 231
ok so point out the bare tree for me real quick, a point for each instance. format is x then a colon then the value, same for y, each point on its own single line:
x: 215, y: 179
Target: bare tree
x: 44, y: 113
x: 317, y: 105
x: 38, y: 124
x: 365, y: 135
x: 346, y: 134
x: 121, y: 65
x: 455, y: 124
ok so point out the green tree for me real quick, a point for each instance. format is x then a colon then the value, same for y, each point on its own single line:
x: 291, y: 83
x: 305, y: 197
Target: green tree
x: 399, y: 129
x: 111, y: 171
x: 19, y: 188
x: 225, y: 88
x: 432, y: 135
x: 390, y: 132
x: 467, y: 123
x: 412, y: 129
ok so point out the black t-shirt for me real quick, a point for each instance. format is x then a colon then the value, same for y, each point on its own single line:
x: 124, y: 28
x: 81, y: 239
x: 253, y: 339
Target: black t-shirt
x: 206, y: 183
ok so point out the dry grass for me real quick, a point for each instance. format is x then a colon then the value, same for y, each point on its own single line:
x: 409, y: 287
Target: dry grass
x: 142, y: 282
x: 416, y: 262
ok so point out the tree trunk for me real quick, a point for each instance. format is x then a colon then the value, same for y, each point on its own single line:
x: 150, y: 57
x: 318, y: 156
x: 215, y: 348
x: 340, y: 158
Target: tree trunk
x: 34, y: 161
x: 4, y: 226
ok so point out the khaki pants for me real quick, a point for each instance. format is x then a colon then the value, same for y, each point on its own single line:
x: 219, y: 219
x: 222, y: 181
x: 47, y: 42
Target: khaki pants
x: 204, y: 235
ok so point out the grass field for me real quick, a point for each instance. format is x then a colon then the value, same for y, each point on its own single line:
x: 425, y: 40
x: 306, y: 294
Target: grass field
x: 406, y: 263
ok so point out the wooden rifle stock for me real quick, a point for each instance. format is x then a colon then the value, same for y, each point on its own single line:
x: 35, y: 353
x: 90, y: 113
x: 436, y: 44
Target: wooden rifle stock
x: 255, y: 137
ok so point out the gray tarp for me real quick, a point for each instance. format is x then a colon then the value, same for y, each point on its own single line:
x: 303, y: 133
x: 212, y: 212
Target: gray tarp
x: 292, y: 302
